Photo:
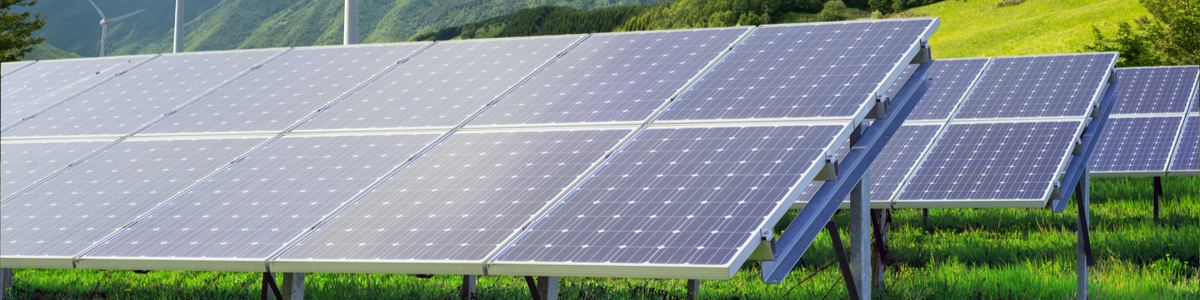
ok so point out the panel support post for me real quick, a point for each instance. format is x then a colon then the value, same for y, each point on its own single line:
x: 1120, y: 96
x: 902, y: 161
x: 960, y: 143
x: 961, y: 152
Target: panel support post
x: 177, y: 42
x: 548, y: 287
x: 880, y: 220
x: 925, y: 218
x: 839, y: 251
x: 1158, y: 193
x: 6, y: 282
x: 860, y: 239
x: 468, y: 287
x: 350, y: 23
x: 1083, y: 247
x: 693, y: 289
x: 293, y: 286
x: 269, y: 288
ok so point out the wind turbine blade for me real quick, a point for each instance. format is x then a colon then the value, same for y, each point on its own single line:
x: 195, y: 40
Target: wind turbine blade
x: 101, y: 12
x: 114, y: 20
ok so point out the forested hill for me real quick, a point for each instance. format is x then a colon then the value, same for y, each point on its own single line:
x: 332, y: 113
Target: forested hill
x: 71, y: 25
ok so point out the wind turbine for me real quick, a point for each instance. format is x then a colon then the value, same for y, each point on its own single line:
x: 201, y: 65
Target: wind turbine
x: 104, y: 21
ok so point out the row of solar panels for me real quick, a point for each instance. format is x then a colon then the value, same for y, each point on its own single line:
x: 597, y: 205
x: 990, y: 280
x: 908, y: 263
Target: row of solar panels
x: 945, y: 155
x: 444, y: 158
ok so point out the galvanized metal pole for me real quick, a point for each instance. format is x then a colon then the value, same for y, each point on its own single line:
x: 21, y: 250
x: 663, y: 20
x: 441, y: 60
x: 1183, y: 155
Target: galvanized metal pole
x: 177, y: 44
x: 548, y: 287
x: 350, y: 25
x: 6, y: 279
x: 293, y: 286
x: 860, y: 239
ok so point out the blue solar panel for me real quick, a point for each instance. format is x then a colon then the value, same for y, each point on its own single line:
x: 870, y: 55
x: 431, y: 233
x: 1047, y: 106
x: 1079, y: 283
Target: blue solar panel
x: 1038, y: 86
x: 1135, y: 145
x: 687, y: 197
x: 803, y: 71
x: 612, y: 78
x: 1155, y: 89
x: 442, y: 86
x: 134, y: 99
x: 950, y: 81
x: 284, y: 90
x: 458, y: 202
x: 257, y: 205
x: 14, y: 66
x: 23, y: 164
x: 76, y: 208
x: 46, y: 83
x: 992, y: 164
x: 1185, y: 148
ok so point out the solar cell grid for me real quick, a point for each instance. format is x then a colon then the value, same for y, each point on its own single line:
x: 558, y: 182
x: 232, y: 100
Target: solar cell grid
x: 1133, y: 145
x: 134, y: 99
x: 255, y: 206
x: 1155, y: 89
x: 23, y: 164
x: 804, y: 71
x: 459, y: 201
x: 11, y: 67
x: 1186, y: 148
x: 442, y: 86
x: 611, y: 78
x: 991, y: 164
x: 1038, y: 86
x: 674, y: 196
x: 951, y: 79
x: 284, y: 90
x: 46, y: 83
x: 76, y: 208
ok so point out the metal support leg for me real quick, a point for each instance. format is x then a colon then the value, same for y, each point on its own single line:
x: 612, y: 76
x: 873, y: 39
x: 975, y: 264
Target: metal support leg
x: 1158, y: 193
x: 879, y: 260
x: 548, y: 287
x: 293, y: 286
x: 269, y: 288
x: 860, y: 239
x: 693, y: 289
x: 1083, y: 247
x: 6, y: 282
x: 468, y: 287
x: 839, y: 251
x: 925, y: 218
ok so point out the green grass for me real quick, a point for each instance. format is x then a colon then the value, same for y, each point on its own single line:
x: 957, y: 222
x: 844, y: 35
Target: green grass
x: 978, y: 28
x: 959, y: 253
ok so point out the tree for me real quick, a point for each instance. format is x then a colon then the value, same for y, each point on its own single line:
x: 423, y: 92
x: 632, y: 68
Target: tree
x: 833, y: 11
x: 16, y: 29
x: 1170, y: 36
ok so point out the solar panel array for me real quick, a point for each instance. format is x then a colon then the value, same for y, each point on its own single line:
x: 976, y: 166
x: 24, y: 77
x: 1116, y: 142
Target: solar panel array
x: 1148, y: 133
x: 670, y: 150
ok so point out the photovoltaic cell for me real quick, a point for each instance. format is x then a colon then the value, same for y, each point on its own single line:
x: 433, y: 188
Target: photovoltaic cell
x: 1135, y: 144
x: 284, y: 90
x: 1038, y: 86
x: 676, y: 196
x: 76, y: 208
x: 258, y: 204
x: 23, y: 164
x: 950, y: 81
x: 803, y: 71
x: 897, y: 159
x: 611, y: 78
x: 46, y: 83
x: 443, y: 85
x: 461, y: 200
x: 1155, y: 89
x: 1185, y: 150
x: 134, y: 99
x: 992, y: 164
x: 11, y: 67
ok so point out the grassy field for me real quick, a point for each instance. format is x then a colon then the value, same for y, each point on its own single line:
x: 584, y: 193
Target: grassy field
x: 959, y: 253
x: 975, y: 28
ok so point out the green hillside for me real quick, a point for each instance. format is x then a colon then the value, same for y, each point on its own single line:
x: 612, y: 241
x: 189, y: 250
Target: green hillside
x: 981, y: 28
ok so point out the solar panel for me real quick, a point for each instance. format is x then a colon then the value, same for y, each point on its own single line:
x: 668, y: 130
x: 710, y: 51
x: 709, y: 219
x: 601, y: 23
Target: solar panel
x: 1038, y: 86
x: 14, y: 66
x: 24, y: 163
x: 456, y: 204
x: 76, y: 208
x: 950, y: 81
x: 1155, y: 89
x: 1185, y: 149
x: 612, y: 78
x: 443, y: 85
x: 1135, y: 145
x: 825, y: 70
x: 134, y: 99
x: 257, y: 205
x: 284, y: 90
x: 992, y: 165
x: 674, y: 202
x: 46, y: 83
